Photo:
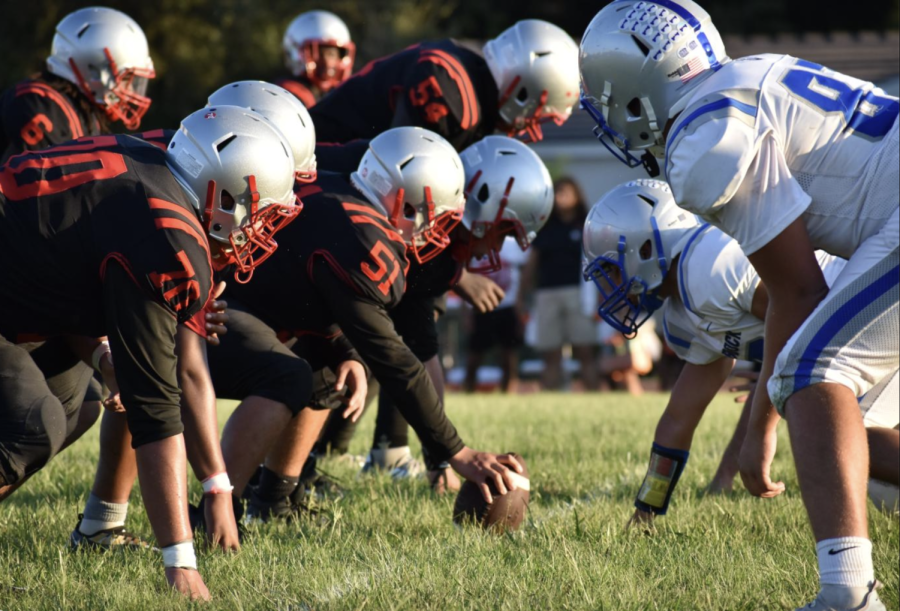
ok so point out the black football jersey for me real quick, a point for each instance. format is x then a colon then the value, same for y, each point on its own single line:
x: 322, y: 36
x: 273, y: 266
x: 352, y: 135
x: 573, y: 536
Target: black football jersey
x: 338, y: 226
x: 35, y: 116
x: 441, y: 86
x: 341, y: 158
x: 433, y: 278
x: 69, y: 210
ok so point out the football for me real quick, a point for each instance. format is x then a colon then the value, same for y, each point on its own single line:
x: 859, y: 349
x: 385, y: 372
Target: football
x: 505, y: 514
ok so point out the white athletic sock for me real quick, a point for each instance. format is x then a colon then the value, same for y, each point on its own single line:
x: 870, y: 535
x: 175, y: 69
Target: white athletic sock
x: 100, y: 515
x: 846, y: 561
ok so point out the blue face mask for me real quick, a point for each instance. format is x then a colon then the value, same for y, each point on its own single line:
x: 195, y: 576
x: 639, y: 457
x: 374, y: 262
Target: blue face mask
x: 617, y: 143
x: 626, y: 302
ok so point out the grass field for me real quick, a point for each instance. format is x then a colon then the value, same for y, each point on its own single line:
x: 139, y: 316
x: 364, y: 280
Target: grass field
x: 393, y: 546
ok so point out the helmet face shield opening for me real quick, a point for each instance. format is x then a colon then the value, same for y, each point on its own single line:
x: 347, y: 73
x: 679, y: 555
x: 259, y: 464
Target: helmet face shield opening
x: 626, y: 303
x: 254, y: 242
x: 615, y: 143
x: 435, y: 238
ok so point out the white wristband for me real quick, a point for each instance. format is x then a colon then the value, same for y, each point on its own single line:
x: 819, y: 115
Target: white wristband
x: 217, y: 484
x: 99, y: 351
x: 180, y: 556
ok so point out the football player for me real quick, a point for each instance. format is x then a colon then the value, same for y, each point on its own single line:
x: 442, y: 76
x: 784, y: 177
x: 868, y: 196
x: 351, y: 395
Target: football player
x: 97, y: 73
x: 526, y: 76
x: 103, y: 522
x: 508, y: 192
x: 125, y: 254
x: 786, y: 156
x: 319, y: 54
x: 645, y: 254
x: 330, y: 286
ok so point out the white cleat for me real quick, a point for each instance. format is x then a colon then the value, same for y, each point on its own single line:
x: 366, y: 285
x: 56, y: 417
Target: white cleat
x: 398, y: 461
x: 842, y: 598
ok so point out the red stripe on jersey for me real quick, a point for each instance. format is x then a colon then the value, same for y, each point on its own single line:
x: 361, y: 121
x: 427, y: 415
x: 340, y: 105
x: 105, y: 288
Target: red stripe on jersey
x: 462, y: 80
x: 300, y: 91
x: 165, y: 222
x: 65, y: 105
x: 307, y: 190
x: 393, y: 235
x: 152, y: 136
x: 123, y: 261
x: 161, y: 204
x: 357, y: 208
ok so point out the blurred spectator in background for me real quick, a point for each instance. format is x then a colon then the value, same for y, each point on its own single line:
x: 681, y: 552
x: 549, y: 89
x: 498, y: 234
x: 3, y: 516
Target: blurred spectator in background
x: 554, y: 270
x: 503, y: 326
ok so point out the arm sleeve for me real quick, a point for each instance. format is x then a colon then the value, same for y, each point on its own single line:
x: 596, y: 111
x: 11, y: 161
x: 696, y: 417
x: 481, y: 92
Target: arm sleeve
x: 370, y: 330
x: 142, y: 338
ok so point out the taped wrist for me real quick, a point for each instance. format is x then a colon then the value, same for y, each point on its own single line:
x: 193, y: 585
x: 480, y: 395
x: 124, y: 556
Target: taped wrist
x: 666, y: 466
x: 217, y: 484
x: 180, y: 556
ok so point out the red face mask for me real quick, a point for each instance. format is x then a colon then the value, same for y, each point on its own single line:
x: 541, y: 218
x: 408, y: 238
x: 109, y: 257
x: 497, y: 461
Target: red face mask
x: 435, y: 238
x: 528, y: 128
x: 324, y: 76
x: 255, y: 241
x: 130, y: 104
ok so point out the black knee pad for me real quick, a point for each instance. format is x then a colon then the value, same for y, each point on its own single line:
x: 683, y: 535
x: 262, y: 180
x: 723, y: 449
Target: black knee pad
x: 289, y: 381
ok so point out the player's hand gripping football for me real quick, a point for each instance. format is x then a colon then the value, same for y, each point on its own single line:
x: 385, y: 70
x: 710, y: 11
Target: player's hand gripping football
x: 480, y: 291
x: 756, y: 458
x: 484, y: 467
x: 216, y: 317
x: 353, y: 375
x: 189, y: 583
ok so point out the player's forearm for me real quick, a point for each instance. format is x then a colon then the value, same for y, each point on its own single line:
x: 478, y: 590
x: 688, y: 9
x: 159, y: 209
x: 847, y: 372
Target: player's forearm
x: 695, y: 388
x: 198, y: 406
x: 163, y: 475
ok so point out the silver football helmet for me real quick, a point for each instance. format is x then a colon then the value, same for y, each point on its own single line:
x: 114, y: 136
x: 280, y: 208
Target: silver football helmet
x: 508, y: 190
x: 104, y: 52
x: 630, y: 238
x: 535, y: 66
x: 302, y: 43
x: 284, y: 110
x: 639, y: 62
x: 417, y: 179
x: 238, y: 171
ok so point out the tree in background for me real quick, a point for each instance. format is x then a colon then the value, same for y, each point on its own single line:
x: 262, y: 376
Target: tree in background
x: 199, y: 45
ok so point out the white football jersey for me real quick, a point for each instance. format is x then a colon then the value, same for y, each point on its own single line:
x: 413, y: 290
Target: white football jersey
x: 711, y: 317
x: 770, y: 138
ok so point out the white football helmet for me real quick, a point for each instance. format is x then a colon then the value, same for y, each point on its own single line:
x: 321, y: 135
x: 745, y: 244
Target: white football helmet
x: 104, y: 52
x: 302, y: 43
x: 284, y: 110
x: 639, y: 62
x: 235, y: 151
x: 508, y: 190
x: 535, y: 66
x: 630, y: 238
x: 417, y: 179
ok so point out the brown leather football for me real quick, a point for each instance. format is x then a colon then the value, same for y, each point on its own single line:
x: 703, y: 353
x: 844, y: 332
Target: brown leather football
x: 505, y: 514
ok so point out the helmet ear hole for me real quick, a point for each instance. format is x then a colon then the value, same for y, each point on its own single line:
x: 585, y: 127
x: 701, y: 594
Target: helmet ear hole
x: 522, y: 96
x: 634, y: 108
x: 228, y: 202
x: 409, y: 211
x: 483, y: 193
x: 646, y: 251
